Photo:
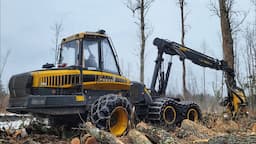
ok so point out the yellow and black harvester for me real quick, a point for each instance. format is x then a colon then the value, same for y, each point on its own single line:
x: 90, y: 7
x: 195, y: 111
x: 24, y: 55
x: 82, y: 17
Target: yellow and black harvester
x: 87, y: 81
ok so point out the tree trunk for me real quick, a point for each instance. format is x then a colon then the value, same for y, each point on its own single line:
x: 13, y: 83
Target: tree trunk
x: 142, y: 7
x: 185, y: 95
x: 138, y: 138
x: 143, y: 41
x: 101, y: 135
x: 227, y: 40
x: 155, y: 134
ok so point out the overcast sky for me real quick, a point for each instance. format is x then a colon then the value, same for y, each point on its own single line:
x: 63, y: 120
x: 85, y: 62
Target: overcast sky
x: 26, y: 32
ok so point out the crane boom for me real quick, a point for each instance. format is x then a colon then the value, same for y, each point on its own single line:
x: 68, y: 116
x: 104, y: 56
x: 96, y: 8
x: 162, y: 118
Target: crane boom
x: 196, y: 57
x: 236, y: 97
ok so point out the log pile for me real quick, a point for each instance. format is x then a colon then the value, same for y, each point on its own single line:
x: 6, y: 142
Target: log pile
x: 142, y: 134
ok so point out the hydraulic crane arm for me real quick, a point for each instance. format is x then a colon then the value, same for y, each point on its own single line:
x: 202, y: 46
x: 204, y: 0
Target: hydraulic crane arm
x: 236, y: 96
x: 173, y: 48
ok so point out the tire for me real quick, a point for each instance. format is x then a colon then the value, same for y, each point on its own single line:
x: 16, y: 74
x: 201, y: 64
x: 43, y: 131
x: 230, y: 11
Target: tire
x: 169, y: 115
x: 111, y: 112
x: 163, y: 111
x: 194, y: 113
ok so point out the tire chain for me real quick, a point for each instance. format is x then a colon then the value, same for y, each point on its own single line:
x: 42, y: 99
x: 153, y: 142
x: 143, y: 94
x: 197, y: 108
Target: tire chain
x: 102, y: 108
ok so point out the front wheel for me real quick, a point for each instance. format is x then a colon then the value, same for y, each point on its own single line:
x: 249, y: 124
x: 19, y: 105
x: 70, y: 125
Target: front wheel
x: 111, y: 112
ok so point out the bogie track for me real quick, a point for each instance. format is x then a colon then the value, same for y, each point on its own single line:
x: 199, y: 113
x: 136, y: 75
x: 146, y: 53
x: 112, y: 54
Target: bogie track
x: 169, y: 112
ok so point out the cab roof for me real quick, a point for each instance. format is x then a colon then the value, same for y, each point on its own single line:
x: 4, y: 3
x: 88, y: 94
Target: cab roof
x: 100, y: 33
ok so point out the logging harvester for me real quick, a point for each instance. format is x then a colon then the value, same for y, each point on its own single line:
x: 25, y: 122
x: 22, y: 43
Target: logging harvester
x: 87, y: 81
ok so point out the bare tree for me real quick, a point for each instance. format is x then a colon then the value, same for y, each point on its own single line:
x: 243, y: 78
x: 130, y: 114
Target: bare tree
x: 3, y: 64
x: 217, y: 91
x: 57, y: 29
x: 250, y: 59
x: 225, y: 8
x: 141, y: 7
x: 192, y: 83
x: 3, y: 94
x: 230, y: 24
x: 250, y: 37
x: 182, y: 4
x: 3, y: 98
x: 204, y: 46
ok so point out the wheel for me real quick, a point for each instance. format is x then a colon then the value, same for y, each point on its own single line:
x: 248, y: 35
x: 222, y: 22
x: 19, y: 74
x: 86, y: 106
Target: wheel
x: 194, y: 113
x: 163, y: 111
x: 111, y: 112
x: 169, y: 114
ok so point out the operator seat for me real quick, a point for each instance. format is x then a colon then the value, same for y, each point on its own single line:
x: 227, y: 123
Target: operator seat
x: 91, y: 62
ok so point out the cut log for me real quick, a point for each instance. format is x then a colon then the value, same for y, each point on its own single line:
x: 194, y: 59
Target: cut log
x: 138, y: 137
x: 101, y: 135
x: 75, y: 140
x: 88, y: 139
x: 91, y: 140
x: 84, y: 138
x: 155, y: 134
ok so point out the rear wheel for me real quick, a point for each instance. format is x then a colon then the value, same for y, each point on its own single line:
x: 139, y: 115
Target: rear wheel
x: 111, y: 112
x: 194, y: 113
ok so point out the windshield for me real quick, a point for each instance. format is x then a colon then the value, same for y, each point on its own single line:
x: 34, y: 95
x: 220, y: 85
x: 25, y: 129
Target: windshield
x: 69, y: 53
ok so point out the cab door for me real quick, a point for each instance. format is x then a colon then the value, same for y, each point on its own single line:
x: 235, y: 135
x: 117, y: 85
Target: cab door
x: 102, y: 71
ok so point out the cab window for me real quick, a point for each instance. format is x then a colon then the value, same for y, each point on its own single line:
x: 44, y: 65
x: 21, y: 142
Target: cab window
x: 69, y: 53
x: 91, y: 54
x: 109, y: 62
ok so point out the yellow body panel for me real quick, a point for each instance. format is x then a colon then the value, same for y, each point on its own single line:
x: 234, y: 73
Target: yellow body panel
x: 80, y: 98
x: 237, y: 101
x: 70, y: 78
x: 183, y: 49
